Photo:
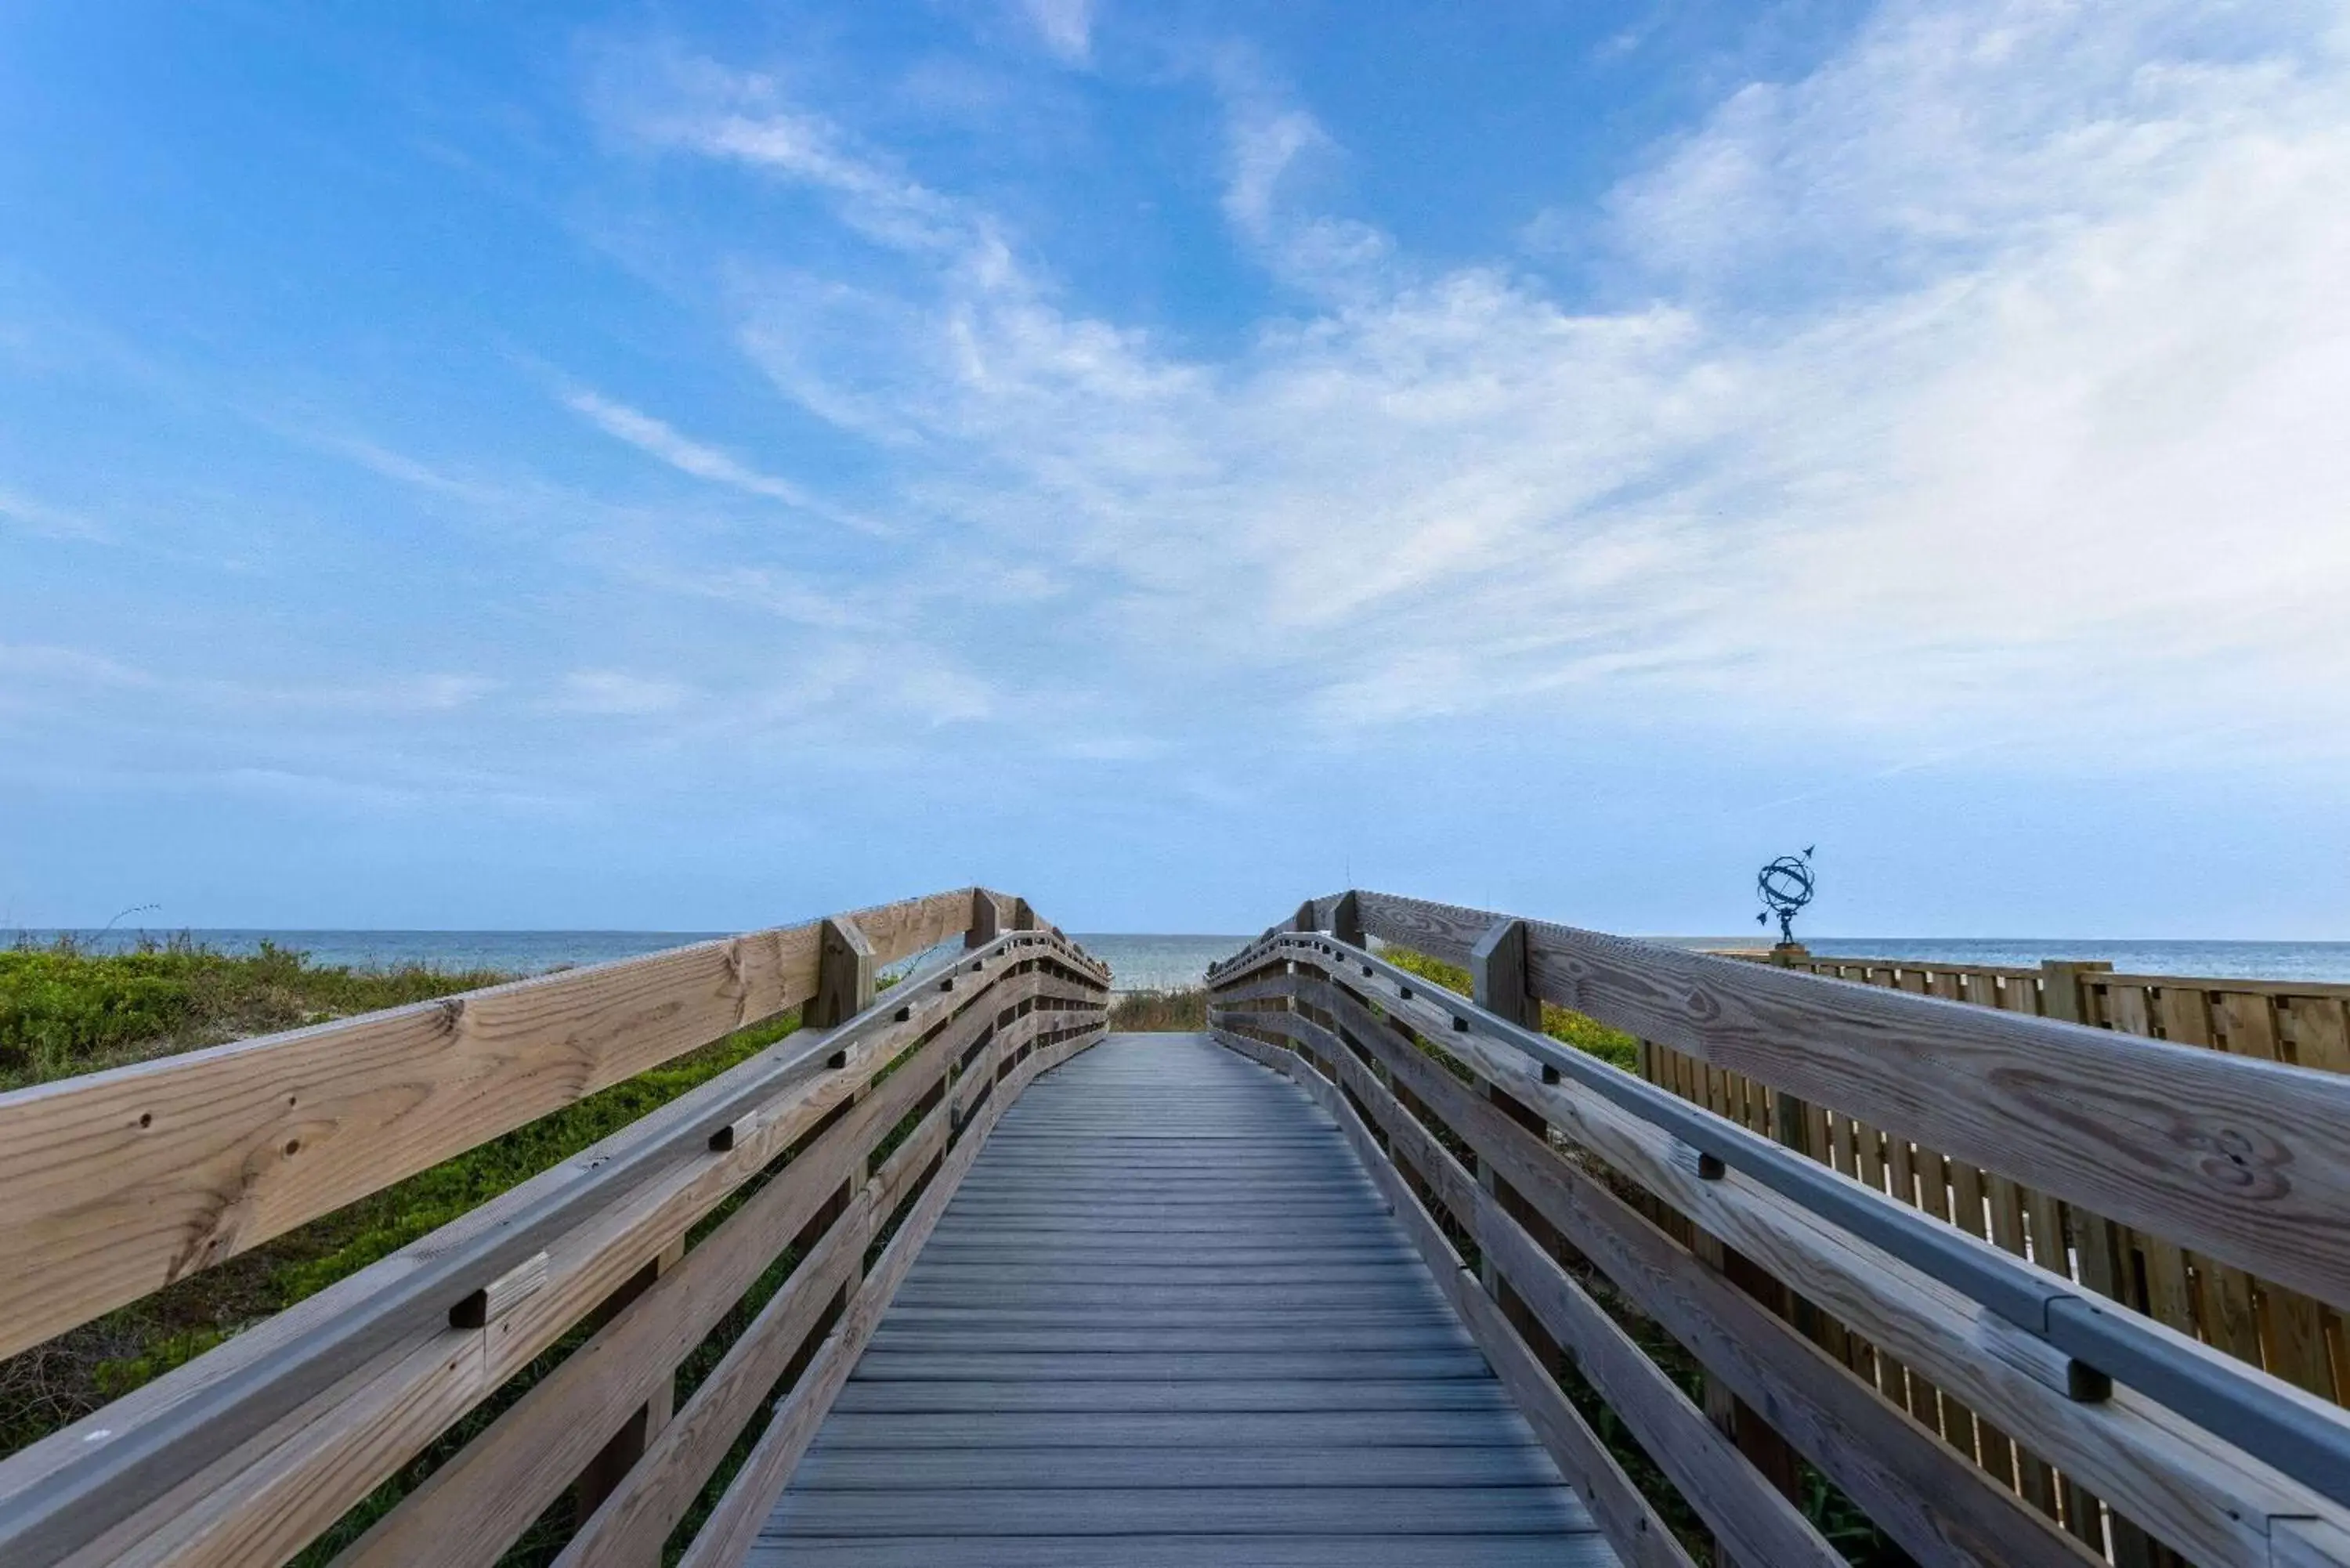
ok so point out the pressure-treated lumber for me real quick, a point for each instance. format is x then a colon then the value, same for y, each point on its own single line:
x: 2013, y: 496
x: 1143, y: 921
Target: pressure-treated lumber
x: 986, y: 919
x: 2245, y: 1161
x: 637, y: 1519
x: 1498, y: 979
x: 120, y: 1182
x: 844, y: 974
x: 2300, y: 1022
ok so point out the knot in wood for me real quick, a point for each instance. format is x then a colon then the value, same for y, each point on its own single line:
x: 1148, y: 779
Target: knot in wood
x: 2240, y: 1160
x: 1701, y: 1006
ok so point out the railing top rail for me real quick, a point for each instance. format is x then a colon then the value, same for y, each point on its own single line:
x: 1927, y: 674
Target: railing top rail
x: 2299, y: 1435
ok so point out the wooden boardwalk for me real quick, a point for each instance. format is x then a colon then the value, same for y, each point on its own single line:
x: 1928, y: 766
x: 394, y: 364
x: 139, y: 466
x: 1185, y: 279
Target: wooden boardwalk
x: 1167, y: 1320
x: 2020, y: 1289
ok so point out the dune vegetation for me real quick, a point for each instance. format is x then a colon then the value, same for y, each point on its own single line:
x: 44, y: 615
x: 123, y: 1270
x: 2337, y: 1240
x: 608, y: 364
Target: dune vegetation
x: 1159, y: 1011
x: 66, y: 1008
x: 1148, y: 1011
x: 1610, y: 1045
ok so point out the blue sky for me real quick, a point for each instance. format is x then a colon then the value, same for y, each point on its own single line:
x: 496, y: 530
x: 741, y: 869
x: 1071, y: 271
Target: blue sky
x: 691, y: 467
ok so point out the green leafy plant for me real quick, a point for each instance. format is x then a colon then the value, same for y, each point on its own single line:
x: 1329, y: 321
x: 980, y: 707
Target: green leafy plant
x: 1585, y: 1034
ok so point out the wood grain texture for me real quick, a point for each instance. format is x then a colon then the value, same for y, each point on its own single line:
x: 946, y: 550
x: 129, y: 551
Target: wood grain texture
x: 307, y: 1470
x: 632, y: 1524
x: 845, y: 963
x: 1497, y: 974
x: 120, y: 1182
x: 1919, y: 1491
x: 2246, y: 1161
x: 2257, y: 1321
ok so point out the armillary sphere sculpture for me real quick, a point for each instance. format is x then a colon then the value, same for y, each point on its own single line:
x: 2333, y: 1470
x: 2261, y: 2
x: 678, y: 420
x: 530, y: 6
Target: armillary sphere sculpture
x: 1785, y: 886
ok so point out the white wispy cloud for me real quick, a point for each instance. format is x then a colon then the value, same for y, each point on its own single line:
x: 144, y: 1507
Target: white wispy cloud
x: 49, y: 521
x: 1985, y: 376
x: 617, y: 692
x: 57, y: 673
x: 689, y: 105
x: 1276, y: 150
x: 1066, y: 28
x: 658, y: 439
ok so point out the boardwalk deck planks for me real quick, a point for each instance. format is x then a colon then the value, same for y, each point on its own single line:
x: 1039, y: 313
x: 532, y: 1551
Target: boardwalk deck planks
x: 1211, y: 1148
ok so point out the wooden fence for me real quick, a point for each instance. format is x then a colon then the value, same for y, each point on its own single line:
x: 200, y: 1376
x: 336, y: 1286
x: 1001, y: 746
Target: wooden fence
x: 834, y: 1151
x: 1898, y: 1297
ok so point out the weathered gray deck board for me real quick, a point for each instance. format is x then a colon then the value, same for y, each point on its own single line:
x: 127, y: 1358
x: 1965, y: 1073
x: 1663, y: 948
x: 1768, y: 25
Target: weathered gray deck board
x: 1167, y: 1321
x: 1199, y: 1550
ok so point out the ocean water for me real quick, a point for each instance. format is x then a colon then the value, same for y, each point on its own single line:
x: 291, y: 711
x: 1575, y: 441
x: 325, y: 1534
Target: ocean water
x: 1137, y: 962
x: 1141, y: 961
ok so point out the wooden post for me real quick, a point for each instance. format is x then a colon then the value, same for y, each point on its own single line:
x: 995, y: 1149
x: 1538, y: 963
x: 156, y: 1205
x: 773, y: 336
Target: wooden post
x: 1791, y: 1124
x: 844, y: 976
x: 612, y: 1463
x: 2101, y: 1249
x: 1024, y: 919
x: 1763, y: 1448
x: 1347, y: 920
x: 1307, y: 920
x: 1499, y: 983
x: 2059, y: 987
x: 1497, y: 974
x: 986, y: 920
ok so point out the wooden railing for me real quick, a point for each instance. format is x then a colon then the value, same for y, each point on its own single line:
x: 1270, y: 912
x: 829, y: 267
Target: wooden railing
x: 2288, y: 1332
x: 1843, y: 1329
x: 832, y: 1153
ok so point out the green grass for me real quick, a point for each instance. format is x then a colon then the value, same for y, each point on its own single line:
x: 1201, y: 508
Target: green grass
x: 1588, y: 1034
x: 64, y: 1010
